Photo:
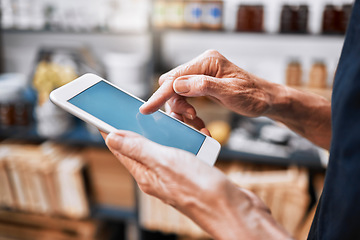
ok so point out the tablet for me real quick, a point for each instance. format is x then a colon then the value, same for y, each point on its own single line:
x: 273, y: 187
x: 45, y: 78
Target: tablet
x: 108, y: 108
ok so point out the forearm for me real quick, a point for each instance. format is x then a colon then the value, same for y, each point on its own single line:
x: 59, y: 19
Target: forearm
x: 305, y: 113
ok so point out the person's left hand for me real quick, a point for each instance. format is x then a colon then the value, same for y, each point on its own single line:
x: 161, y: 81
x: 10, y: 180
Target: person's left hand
x: 201, y: 192
x: 169, y: 174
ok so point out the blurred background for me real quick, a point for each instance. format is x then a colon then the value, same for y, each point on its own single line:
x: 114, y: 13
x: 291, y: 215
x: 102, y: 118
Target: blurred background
x: 58, y: 180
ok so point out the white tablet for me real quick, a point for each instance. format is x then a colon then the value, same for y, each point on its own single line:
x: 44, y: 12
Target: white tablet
x: 108, y: 107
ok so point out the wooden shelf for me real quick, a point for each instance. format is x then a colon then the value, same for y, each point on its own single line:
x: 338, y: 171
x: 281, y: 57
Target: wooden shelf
x: 31, y: 226
x: 326, y: 93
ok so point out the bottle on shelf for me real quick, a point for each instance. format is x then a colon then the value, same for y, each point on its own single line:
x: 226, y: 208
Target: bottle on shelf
x: 318, y: 75
x: 250, y: 18
x: 346, y: 11
x: 159, y: 14
x: 294, y: 73
x: 212, y: 17
x: 14, y: 114
x: 294, y: 18
x: 286, y: 19
x: 335, y: 18
x: 175, y: 14
x: 302, y: 18
x: 330, y: 15
x: 193, y: 11
x: 190, y: 14
x: 14, y: 109
x: 7, y: 114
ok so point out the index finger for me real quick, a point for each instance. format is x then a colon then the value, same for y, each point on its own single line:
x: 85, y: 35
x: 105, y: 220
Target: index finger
x: 166, y: 89
x: 199, y: 65
x: 158, y: 99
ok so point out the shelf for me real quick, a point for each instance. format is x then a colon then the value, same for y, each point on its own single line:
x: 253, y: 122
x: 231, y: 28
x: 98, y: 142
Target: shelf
x: 113, y: 213
x: 78, y: 135
x: 69, y: 32
x: 264, y: 55
x: 303, y: 159
x: 326, y: 93
x: 248, y: 34
x: 36, y: 226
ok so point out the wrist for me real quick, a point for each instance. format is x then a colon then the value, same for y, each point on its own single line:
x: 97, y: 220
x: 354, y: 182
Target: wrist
x: 279, y: 100
x: 232, y: 213
x: 250, y: 218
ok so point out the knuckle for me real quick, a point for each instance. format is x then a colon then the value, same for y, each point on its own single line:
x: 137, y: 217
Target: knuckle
x: 212, y: 53
x: 178, y: 103
x: 163, y: 78
x: 142, y: 181
x: 134, y: 147
x: 165, y: 163
x: 118, y: 155
x: 202, y: 84
x: 145, y: 187
x: 169, y: 76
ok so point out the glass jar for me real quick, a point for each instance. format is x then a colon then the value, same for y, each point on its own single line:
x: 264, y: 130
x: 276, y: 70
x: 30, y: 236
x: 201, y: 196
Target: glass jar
x: 318, y: 75
x: 250, y: 18
x: 294, y: 73
x: 193, y: 14
x: 7, y: 116
x: 175, y: 13
x: 213, y: 14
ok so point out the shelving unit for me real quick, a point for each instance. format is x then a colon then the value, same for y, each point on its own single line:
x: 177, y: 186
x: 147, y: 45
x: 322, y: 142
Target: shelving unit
x: 263, y: 54
x: 22, y: 46
x: 79, y: 136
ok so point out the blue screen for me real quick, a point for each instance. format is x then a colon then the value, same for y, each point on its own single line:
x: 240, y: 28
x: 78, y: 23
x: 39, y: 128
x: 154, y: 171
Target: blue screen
x: 121, y: 111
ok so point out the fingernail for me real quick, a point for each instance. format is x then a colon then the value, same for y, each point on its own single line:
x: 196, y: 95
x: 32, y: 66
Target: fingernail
x: 142, y: 107
x: 113, y: 140
x: 181, y: 86
x: 189, y: 116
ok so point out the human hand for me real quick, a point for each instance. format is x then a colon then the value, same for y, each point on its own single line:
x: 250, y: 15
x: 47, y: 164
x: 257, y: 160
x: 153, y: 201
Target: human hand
x: 201, y: 192
x: 211, y: 74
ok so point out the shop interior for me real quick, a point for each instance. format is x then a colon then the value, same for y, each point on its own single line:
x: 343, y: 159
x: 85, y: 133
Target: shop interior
x: 57, y: 178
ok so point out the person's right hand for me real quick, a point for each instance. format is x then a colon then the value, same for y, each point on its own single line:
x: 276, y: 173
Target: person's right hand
x: 211, y: 74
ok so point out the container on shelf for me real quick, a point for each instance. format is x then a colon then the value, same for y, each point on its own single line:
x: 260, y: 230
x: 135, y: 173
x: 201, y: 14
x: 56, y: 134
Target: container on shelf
x: 335, y: 18
x: 51, y: 121
x: 175, y: 13
x: 128, y: 71
x: 346, y: 17
x: 7, y: 114
x: 14, y: 111
x: 330, y: 17
x: 294, y: 73
x: 193, y: 11
x: 22, y: 113
x: 213, y: 14
x: 55, y: 67
x: 286, y: 19
x: 159, y: 14
x: 294, y: 19
x: 250, y: 18
x: 318, y: 75
x: 302, y: 19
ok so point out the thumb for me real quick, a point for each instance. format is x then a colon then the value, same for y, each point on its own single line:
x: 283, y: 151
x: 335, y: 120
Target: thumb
x: 131, y: 145
x: 136, y: 147
x: 198, y: 85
